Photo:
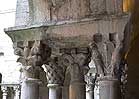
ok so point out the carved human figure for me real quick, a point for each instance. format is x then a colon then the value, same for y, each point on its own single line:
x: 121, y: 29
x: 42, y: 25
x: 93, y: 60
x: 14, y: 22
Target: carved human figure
x: 98, y: 60
x: 97, y: 55
x: 117, y: 55
x: 108, y: 50
x: 107, y: 54
x: 30, y: 53
x: 36, y: 54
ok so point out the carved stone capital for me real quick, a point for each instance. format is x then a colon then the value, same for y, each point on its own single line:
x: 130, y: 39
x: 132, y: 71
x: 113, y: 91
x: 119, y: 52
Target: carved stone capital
x: 76, y: 61
x: 30, y: 72
x: 107, y: 53
x: 32, y: 53
x: 72, y: 61
x: 54, y: 72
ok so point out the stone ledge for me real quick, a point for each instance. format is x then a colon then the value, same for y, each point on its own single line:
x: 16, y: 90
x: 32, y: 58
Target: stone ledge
x: 64, y: 22
x: 70, y: 34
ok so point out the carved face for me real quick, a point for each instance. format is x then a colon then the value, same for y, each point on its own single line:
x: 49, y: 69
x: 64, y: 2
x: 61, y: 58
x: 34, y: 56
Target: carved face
x: 113, y: 37
x: 97, y: 38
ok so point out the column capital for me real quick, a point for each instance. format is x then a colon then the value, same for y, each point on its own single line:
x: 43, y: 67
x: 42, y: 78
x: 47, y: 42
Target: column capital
x: 76, y: 61
x: 54, y: 72
x: 32, y: 53
x: 108, y: 51
x: 4, y: 90
x: 30, y: 73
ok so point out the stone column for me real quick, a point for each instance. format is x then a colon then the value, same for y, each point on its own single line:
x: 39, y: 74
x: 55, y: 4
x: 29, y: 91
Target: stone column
x: 29, y: 85
x: 77, y: 84
x: 109, y: 88
x: 55, y: 91
x: 77, y: 90
x: 30, y: 53
x: 4, y: 92
x: 17, y: 92
x: 30, y: 89
x: 55, y: 77
x: 108, y: 56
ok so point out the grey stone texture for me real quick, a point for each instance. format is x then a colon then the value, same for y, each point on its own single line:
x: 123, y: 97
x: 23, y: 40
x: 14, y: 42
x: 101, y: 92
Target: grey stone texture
x: 41, y: 11
x: 58, y: 34
x: 22, y: 13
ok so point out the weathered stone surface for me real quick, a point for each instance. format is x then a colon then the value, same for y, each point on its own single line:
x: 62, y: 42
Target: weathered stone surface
x: 39, y: 11
x: 98, y: 7
x: 70, y: 34
x: 66, y: 28
x: 43, y: 11
x: 22, y: 13
x: 54, y: 73
x: 114, y: 6
x: 105, y: 53
x: 109, y: 89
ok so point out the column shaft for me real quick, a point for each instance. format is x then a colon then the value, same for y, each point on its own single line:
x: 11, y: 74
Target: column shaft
x: 55, y: 92
x: 29, y: 90
x: 77, y: 91
x: 109, y: 89
x: 90, y: 95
